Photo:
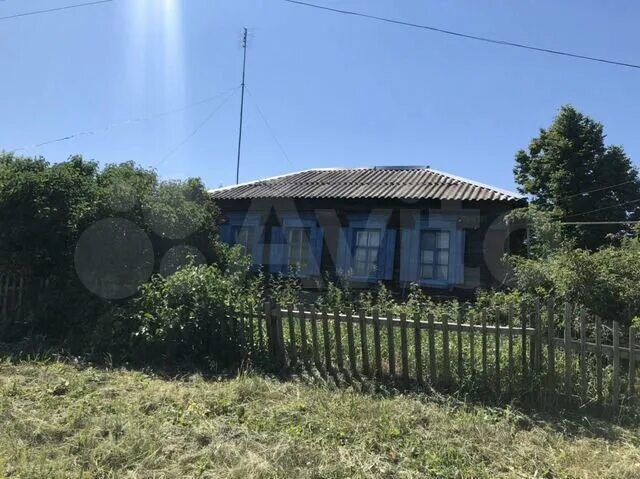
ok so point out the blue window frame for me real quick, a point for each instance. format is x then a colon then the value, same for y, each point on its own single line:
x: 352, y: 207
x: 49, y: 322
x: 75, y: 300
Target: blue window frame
x: 366, y: 248
x: 434, y: 255
x: 296, y: 246
x: 432, y: 251
x: 246, y: 231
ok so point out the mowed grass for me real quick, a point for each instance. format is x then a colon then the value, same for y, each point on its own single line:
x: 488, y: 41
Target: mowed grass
x: 61, y: 420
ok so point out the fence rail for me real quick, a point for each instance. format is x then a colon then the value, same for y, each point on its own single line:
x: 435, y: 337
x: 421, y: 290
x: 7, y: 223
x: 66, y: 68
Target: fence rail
x: 555, y: 355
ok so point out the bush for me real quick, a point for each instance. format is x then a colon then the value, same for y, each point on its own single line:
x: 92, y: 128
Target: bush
x: 185, y: 317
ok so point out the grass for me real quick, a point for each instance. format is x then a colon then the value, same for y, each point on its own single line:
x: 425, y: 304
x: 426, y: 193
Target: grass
x: 61, y: 420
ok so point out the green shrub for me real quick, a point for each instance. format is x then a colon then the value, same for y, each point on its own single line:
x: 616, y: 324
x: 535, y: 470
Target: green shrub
x: 185, y: 317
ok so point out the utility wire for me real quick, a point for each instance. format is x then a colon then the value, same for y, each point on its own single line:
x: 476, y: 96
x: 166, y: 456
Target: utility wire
x: 597, y: 189
x: 604, y: 208
x: 464, y: 35
x: 125, y: 122
x: 197, y: 128
x: 57, y: 9
x: 266, y: 122
x: 587, y: 223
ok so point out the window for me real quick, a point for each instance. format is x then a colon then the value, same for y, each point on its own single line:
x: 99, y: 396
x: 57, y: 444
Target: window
x: 298, y: 248
x: 365, y: 252
x: 245, y: 237
x: 434, y: 255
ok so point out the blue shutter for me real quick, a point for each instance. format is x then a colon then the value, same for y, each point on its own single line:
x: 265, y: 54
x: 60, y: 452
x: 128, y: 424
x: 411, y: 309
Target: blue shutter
x: 277, y: 250
x: 409, y: 255
x: 343, y: 257
x: 316, y: 250
x: 459, y: 258
x: 258, y: 246
x: 386, y: 256
x: 225, y: 233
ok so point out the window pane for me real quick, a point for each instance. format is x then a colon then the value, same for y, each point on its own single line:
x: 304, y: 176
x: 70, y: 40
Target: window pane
x: 361, y: 254
x: 427, y: 256
x: 442, y: 272
x: 427, y: 272
x: 443, y: 257
x: 374, y: 238
x: 428, y: 240
x: 443, y: 239
x: 360, y: 268
x: 361, y: 238
x: 298, y: 247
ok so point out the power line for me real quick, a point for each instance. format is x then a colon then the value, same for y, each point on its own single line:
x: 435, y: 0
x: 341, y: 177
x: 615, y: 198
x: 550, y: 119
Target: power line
x: 464, y: 35
x: 197, y: 128
x: 587, y: 223
x: 124, y: 122
x: 597, y: 189
x: 57, y: 9
x: 604, y: 208
x: 266, y: 122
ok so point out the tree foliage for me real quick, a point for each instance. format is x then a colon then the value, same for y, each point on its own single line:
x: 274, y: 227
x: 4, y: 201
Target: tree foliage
x: 46, y: 208
x: 569, y: 171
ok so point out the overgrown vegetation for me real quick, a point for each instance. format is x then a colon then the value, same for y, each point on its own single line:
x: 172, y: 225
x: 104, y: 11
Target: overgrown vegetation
x: 59, y: 420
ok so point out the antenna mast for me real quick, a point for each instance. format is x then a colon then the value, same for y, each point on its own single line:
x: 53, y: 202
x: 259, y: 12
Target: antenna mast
x: 244, y: 64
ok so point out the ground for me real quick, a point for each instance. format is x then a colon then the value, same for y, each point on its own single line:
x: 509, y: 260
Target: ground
x: 63, y: 420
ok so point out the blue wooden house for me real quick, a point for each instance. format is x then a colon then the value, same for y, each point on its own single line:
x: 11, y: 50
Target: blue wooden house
x: 396, y: 224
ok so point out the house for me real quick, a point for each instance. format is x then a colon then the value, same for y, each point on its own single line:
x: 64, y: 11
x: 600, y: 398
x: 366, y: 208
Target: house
x: 395, y: 224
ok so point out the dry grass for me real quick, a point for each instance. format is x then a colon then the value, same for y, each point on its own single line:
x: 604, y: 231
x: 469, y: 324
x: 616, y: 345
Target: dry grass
x: 57, y: 420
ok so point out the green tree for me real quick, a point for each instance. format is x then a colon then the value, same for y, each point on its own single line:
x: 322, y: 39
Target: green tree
x: 569, y: 171
x: 48, y: 210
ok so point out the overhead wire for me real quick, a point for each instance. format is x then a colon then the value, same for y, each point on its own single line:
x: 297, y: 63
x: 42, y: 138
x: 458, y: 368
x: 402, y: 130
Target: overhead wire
x: 130, y: 121
x: 269, y: 128
x: 464, y: 35
x: 56, y: 9
x: 197, y: 128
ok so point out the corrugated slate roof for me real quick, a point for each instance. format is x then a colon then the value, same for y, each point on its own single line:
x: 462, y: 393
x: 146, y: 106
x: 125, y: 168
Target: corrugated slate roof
x: 375, y: 182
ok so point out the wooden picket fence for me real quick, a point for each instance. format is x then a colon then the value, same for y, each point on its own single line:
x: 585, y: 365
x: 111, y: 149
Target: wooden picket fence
x: 11, y: 297
x: 551, y: 355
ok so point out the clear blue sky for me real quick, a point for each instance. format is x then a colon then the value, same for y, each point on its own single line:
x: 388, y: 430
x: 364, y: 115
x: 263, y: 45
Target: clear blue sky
x: 336, y: 90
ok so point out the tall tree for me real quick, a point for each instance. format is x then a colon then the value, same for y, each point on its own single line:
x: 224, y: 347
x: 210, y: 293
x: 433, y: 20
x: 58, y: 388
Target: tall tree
x: 569, y: 171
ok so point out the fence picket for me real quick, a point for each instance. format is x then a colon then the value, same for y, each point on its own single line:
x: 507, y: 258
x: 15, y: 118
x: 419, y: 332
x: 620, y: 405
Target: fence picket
x: 551, y: 352
x: 472, y: 345
x: 446, y: 375
x: 615, y: 394
x: 314, y: 337
x: 338, y: 334
x: 510, y: 347
x: 484, y: 344
x: 459, y: 322
x: 632, y: 364
x: 278, y: 326
x: 391, y: 341
x: 293, y: 354
x: 304, y: 350
x: 326, y: 340
x: 364, y: 343
x: 568, y: 359
x: 404, y: 347
x: 497, y: 353
x: 583, y: 357
x: 351, y: 344
x: 5, y: 297
x: 376, y: 343
x: 523, y: 353
x: 418, y: 348
x: 538, y: 340
x: 599, y: 394
x: 433, y: 369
